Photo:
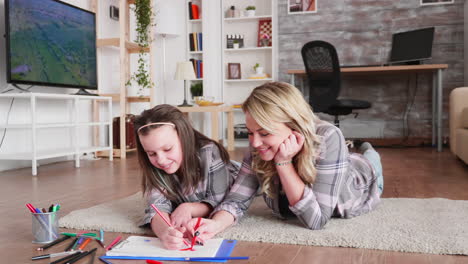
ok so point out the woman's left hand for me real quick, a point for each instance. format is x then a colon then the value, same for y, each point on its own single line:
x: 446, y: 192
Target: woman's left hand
x: 181, y: 215
x: 290, y: 147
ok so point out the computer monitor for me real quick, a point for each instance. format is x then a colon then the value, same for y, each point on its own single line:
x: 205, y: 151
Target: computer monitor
x: 411, y: 47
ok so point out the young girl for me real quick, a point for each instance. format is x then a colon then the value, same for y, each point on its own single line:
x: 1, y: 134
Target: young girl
x: 185, y: 174
x: 301, y: 163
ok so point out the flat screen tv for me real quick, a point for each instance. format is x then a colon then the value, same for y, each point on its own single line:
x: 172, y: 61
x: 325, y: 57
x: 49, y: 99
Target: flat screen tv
x: 412, y: 47
x: 50, y: 43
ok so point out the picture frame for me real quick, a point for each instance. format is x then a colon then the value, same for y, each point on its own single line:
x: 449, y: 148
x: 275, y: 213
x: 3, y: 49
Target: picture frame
x: 436, y: 2
x: 234, y: 71
x: 303, y: 6
x: 265, y: 34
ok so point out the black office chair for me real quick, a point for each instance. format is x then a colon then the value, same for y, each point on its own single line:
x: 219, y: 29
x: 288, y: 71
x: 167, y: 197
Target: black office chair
x: 324, y: 79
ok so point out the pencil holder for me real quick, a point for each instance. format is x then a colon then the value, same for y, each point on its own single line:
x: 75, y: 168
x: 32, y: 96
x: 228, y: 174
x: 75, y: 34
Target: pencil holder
x: 44, y: 227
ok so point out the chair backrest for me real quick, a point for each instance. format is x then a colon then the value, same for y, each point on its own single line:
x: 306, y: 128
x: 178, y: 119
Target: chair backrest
x: 323, y: 74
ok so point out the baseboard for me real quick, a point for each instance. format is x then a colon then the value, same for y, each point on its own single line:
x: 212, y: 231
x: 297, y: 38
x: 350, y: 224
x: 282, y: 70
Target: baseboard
x: 399, y: 142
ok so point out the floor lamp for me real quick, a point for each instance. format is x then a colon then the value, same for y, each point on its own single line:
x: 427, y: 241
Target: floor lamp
x: 166, y: 27
x: 185, y: 72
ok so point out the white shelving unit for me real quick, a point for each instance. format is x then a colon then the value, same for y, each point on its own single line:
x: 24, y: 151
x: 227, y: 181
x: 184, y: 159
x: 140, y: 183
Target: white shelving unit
x: 194, y: 26
x: 73, y: 125
x: 235, y: 91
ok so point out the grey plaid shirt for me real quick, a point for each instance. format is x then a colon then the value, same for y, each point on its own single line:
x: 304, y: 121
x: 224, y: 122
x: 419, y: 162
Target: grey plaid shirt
x: 218, y: 178
x: 345, y: 185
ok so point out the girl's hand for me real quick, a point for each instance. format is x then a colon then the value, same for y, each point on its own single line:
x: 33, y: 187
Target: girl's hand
x: 173, y: 238
x: 181, y: 215
x: 208, y: 228
x: 290, y: 147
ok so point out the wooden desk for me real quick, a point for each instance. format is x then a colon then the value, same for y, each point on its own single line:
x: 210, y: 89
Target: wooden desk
x: 214, y: 110
x: 435, y: 69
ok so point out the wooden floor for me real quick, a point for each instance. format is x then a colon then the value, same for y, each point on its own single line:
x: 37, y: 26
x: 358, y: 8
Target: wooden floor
x: 410, y: 172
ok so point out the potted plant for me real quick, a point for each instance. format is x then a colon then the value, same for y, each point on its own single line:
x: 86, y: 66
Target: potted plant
x: 144, y: 17
x: 235, y: 44
x: 250, y: 11
x: 258, y: 69
x: 196, y: 89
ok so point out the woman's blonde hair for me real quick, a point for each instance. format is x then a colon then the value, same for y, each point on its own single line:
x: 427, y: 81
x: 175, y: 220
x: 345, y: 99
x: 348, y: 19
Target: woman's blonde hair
x: 283, y: 103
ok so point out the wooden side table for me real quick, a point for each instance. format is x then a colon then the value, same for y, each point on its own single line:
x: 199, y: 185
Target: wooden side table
x: 214, y: 110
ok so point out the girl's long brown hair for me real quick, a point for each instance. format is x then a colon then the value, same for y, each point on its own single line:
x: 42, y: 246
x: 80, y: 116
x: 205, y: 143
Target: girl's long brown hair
x: 188, y: 175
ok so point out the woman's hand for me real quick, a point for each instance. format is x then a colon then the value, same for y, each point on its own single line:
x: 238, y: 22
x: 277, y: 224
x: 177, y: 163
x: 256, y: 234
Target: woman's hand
x: 290, y: 147
x: 181, y: 215
x: 173, y: 238
x: 208, y: 228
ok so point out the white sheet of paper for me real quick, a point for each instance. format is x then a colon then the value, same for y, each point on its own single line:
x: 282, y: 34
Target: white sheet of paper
x: 153, y: 247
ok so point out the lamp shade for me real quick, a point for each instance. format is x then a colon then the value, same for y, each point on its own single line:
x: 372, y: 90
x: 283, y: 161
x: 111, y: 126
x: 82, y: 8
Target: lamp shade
x: 185, y: 71
x: 167, y: 19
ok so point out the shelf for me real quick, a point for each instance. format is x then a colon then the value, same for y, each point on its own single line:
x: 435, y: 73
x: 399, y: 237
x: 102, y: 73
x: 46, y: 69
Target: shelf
x: 249, y: 80
x: 130, y: 99
x: 115, y: 152
x: 132, y: 47
x: 49, y: 153
x: 248, y: 49
x: 195, y: 21
x: 138, y: 99
x: 235, y: 19
x: 53, y: 125
x: 195, y: 52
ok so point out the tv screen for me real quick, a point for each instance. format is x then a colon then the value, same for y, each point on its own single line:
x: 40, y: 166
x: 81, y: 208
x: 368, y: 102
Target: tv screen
x: 50, y: 43
x: 411, y: 46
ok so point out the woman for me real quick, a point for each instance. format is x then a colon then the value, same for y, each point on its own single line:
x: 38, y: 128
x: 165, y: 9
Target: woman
x: 301, y: 163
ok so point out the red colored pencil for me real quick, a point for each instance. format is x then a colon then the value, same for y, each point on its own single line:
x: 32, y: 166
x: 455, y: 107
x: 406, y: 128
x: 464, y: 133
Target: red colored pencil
x: 113, y: 243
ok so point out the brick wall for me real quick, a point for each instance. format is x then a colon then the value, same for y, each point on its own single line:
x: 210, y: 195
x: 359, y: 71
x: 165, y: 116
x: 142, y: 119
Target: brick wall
x: 361, y: 30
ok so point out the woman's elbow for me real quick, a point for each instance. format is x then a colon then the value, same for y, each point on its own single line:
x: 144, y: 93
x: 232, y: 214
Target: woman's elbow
x: 316, y: 225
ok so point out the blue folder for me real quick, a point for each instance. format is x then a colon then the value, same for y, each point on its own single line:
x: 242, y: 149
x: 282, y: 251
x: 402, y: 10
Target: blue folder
x: 223, y: 254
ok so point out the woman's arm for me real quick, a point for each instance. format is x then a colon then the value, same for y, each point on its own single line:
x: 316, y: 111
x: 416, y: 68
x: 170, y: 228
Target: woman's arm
x: 317, y: 202
x: 241, y: 194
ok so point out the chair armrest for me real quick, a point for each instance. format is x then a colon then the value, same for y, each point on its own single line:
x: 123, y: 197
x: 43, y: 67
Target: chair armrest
x: 457, y: 102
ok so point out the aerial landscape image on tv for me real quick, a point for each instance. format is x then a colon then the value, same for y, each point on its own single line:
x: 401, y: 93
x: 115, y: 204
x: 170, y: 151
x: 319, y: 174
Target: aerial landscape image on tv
x: 53, y: 43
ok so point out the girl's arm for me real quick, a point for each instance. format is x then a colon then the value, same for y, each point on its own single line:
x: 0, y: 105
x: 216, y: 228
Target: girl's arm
x: 171, y: 238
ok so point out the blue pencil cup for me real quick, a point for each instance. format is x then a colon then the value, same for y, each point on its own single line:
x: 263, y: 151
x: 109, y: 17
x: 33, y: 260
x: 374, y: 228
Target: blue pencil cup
x: 44, y: 227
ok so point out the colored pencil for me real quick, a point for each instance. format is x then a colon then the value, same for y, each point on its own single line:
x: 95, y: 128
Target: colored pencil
x: 53, y: 243
x: 113, y: 243
x: 75, y: 253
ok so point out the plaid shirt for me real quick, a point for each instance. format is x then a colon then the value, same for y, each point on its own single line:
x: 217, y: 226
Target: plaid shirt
x: 345, y: 185
x: 218, y: 178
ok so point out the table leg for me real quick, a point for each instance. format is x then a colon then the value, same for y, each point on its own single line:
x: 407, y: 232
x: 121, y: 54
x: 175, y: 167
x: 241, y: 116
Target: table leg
x: 293, y: 81
x: 434, y: 107
x: 214, y: 126
x: 439, y: 110
x: 230, y: 127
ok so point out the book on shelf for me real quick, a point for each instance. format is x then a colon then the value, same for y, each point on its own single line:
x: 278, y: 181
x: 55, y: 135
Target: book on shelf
x: 194, y: 12
x: 190, y: 10
x: 196, y: 42
x: 198, y: 68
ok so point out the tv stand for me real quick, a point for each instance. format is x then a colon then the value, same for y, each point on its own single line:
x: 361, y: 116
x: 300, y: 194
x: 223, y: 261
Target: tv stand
x: 76, y: 126
x: 82, y: 91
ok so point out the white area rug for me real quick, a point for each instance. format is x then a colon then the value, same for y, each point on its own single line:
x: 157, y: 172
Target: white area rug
x: 436, y: 225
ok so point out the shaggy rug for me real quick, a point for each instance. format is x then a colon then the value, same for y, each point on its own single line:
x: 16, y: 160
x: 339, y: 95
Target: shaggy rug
x: 436, y: 225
